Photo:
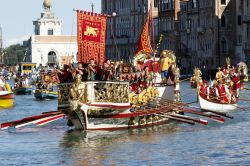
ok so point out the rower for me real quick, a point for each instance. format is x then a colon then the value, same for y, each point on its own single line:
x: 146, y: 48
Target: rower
x: 236, y: 84
x: 222, y: 92
x: 204, y: 89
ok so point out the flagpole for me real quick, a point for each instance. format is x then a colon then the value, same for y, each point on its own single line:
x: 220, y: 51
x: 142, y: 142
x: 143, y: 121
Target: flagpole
x: 152, y: 24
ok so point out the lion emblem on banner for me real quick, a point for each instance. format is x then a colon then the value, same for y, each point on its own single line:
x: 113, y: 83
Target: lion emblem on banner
x: 91, y: 31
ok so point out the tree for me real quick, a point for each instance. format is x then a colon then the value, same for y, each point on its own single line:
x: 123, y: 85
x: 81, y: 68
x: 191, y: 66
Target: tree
x: 14, y: 54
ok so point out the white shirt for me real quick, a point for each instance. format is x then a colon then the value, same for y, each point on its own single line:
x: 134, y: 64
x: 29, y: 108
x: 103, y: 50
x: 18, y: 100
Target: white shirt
x: 1, y: 83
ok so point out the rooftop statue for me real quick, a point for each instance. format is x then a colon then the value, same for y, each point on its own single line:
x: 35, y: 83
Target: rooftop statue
x: 47, y: 4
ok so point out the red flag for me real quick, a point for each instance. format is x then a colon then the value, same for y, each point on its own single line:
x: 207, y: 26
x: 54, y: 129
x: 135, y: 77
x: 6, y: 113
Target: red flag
x: 91, y: 36
x: 144, y: 45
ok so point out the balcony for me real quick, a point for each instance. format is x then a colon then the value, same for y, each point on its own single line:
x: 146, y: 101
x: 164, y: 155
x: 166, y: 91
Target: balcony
x: 246, y: 19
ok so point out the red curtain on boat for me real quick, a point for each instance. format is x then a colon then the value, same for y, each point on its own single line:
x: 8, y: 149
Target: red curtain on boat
x: 91, y: 36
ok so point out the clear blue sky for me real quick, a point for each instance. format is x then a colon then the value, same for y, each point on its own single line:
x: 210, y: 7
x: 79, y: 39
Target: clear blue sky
x: 16, y: 16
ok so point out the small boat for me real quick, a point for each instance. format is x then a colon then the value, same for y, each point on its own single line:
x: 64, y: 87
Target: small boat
x: 6, y: 98
x: 23, y: 90
x: 211, y: 105
x: 45, y: 94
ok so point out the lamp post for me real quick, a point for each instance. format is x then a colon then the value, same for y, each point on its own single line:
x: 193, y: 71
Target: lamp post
x: 113, y: 35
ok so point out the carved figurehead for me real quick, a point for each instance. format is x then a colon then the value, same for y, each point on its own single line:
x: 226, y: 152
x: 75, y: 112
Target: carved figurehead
x: 197, y: 74
x: 77, y: 93
x: 243, y: 71
x: 228, y: 61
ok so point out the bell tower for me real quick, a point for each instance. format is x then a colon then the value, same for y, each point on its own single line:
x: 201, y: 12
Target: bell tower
x: 48, y: 24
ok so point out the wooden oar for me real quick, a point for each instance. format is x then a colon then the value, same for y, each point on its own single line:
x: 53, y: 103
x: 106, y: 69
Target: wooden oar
x: 215, y: 112
x: 201, y: 121
x: 50, y: 119
x: 42, y: 121
x: 244, y: 99
x: 215, y: 118
x: 176, y: 119
x: 27, y: 119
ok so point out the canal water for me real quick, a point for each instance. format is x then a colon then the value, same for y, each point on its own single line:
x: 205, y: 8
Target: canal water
x: 173, y: 144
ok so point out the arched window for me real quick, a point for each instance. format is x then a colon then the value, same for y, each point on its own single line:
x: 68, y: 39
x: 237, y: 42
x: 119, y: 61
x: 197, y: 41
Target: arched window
x: 223, y: 46
x: 50, y: 32
x: 223, y: 21
x: 223, y: 2
x: 52, y: 59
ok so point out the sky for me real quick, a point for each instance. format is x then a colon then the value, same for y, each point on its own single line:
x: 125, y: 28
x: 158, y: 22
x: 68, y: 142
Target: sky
x: 17, y: 16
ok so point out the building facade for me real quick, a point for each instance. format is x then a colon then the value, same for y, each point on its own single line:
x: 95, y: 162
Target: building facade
x: 124, y: 29
x: 48, y: 47
x: 212, y: 30
x: 1, y: 47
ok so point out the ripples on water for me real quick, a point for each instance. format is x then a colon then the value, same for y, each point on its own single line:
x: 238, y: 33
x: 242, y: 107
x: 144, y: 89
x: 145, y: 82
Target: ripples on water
x: 56, y: 144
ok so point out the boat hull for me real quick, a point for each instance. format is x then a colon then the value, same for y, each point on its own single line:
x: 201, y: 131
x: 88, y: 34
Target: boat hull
x: 6, y: 103
x: 23, y: 90
x: 45, y: 95
x: 215, y: 106
x: 113, y: 115
x: 6, y: 99
x: 120, y: 124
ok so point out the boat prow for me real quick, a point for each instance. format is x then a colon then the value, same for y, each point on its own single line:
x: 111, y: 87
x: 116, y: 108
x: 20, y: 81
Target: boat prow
x: 210, y: 105
x: 45, y: 94
x: 23, y: 90
x: 6, y: 99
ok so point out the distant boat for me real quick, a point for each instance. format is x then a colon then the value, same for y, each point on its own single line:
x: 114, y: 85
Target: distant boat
x: 6, y: 98
x: 23, y: 90
x: 45, y: 94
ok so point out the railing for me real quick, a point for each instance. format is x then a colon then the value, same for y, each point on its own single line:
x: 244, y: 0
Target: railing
x: 94, y: 92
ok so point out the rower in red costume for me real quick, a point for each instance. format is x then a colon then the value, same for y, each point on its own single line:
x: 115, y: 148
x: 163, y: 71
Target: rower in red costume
x: 204, y: 89
x: 222, y: 92
x: 65, y: 76
x: 236, y: 84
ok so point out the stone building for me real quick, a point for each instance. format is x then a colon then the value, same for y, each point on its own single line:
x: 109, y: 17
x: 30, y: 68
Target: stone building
x: 212, y: 30
x: 48, y: 47
x: 124, y: 29
x: 1, y: 46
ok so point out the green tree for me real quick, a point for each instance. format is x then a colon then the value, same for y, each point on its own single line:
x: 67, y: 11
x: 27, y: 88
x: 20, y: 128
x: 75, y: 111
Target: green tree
x: 14, y: 54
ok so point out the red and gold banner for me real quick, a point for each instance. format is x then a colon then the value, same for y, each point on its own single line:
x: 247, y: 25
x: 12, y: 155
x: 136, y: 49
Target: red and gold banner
x: 91, y: 36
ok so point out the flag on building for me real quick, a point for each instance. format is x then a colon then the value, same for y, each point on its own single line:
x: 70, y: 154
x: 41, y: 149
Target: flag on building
x: 91, y: 36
